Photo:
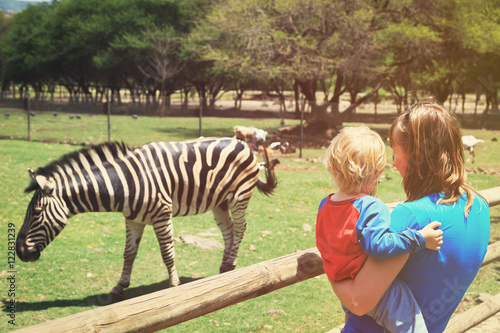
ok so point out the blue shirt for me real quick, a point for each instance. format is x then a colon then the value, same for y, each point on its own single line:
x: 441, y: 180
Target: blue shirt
x: 439, y: 279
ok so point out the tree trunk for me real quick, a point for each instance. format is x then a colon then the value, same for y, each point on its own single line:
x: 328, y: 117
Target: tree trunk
x: 308, y: 88
x: 202, y: 93
x: 443, y: 90
x: 296, y: 93
x: 337, y: 92
x: 185, y: 102
x: 363, y: 99
x: 239, y: 98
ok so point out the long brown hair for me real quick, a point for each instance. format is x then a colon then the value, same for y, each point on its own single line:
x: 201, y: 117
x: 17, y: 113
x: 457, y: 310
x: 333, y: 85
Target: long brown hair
x: 431, y: 137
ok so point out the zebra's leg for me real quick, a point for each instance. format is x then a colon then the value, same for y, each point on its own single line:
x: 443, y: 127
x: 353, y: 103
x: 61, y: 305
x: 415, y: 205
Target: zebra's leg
x: 134, y: 234
x: 165, y: 235
x: 238, y: 210
x: 225, y: 224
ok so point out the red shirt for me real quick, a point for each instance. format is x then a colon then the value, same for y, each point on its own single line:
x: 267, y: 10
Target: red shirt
x: 336, y: 239
x: 348, y: 231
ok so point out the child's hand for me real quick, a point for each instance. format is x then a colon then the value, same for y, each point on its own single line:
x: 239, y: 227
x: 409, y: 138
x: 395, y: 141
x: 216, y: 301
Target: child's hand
x: 433, y: 238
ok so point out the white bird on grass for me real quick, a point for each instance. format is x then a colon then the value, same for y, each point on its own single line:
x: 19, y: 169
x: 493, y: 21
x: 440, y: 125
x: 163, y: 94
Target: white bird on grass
x: 469, y: 142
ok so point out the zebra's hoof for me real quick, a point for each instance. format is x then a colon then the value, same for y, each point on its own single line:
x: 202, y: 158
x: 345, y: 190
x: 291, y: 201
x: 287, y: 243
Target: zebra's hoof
x: 226, y: 268
x: 174, y: 283
x: 116, y: 295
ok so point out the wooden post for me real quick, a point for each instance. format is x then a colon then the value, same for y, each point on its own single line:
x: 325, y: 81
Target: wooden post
x: 28, y: 110
x: 202, y: 99
x: 492, y: 254
x: 108, y: 111
x: 492, y: 195
x: 302, y: 107
x: 474, y: 316
x: 165, y: 308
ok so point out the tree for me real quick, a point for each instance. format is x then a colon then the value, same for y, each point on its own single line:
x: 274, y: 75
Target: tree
x: 5, y: 23
x: 300, y: 41
x: 446, y: 39
x: 280, y: 41
x: 91, y: 43
x: 443, y: 47
x: 28, y: 55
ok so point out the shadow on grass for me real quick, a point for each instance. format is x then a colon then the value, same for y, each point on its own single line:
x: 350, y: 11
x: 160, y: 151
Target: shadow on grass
x: 90, y: 301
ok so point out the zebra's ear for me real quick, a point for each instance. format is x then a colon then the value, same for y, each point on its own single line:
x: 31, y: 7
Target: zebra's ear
x: 32, y: 174
x: 46, y: 184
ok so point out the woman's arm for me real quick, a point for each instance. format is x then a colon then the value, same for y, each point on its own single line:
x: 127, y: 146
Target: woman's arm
x: 363, y: 293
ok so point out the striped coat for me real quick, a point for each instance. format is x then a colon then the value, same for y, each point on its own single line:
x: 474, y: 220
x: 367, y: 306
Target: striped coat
x: 149, y: 185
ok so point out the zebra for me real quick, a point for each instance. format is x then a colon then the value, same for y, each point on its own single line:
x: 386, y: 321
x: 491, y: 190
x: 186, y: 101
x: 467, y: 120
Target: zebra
x: 149, y: 185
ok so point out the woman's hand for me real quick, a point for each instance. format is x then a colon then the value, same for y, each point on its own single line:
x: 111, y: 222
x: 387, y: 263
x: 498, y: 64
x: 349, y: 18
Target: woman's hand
x: 433, y: 238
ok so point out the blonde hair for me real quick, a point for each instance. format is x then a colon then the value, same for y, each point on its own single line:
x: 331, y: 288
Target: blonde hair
x: 355, y: 158
x: 431, y: 137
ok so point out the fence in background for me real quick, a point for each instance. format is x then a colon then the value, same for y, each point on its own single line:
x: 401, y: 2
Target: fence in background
x: 25, y: 110
x: 189, y: 106
x: 63, y: 107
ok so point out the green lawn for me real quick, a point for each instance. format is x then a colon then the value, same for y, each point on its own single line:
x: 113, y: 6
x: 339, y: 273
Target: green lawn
x: 91, y: 128
x: 84, y: 262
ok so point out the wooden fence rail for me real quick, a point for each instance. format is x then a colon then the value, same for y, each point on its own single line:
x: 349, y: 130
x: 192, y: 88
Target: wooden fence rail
x: 165, y: 308
x: 474, y: 316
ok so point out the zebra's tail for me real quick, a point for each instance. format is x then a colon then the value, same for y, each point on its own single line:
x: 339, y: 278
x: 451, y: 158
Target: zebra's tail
x: 271, y: 182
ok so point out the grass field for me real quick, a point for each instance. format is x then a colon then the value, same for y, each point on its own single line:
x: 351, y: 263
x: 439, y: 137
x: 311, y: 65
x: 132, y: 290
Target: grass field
x: 84, y: 262
x: 91, y: 128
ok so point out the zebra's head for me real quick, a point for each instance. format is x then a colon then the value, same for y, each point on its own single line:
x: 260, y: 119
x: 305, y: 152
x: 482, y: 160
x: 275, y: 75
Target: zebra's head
x: 45, y: 217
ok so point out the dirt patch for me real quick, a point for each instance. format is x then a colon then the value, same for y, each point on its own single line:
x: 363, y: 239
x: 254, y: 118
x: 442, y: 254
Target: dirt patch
x: 293, y: 167
x: 313, y: 137
x: 485, y: 171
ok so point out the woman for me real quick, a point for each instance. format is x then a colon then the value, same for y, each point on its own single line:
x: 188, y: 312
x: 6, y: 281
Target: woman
x: 428, y: 154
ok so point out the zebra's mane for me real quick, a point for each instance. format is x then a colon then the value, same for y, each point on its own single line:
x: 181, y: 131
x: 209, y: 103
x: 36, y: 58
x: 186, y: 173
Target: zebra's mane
x: 115, y: 148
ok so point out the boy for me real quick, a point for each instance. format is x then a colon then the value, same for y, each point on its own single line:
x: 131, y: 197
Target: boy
x: 351, y: 225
